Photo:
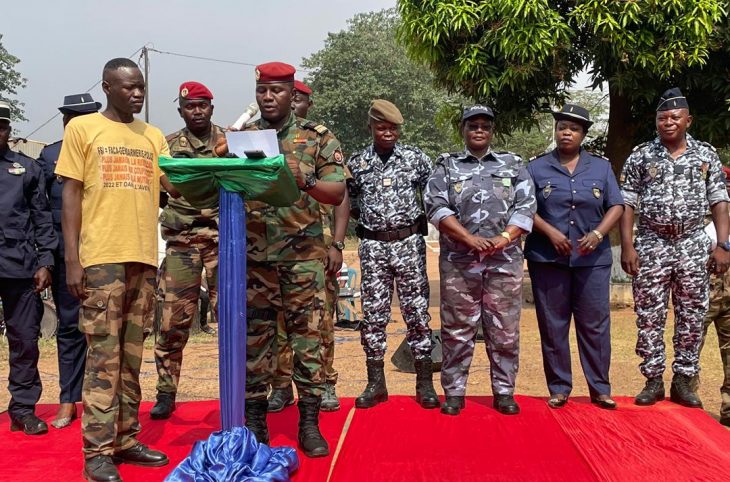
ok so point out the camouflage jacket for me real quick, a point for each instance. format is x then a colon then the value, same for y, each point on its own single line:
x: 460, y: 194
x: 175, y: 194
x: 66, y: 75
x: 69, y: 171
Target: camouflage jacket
x: 295, y: 233
x: 386, y: 193
x: 180, y: 222
x: 485, y: 195
x: 672, y: 191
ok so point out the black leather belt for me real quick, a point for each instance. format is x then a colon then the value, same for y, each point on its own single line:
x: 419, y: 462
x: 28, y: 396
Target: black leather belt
x: 671, y: 229
x: 392, y: 235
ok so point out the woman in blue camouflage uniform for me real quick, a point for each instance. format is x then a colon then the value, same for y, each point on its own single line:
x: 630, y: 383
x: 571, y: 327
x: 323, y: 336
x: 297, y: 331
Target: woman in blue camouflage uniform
x: 482, y: 202
x: 569, y: 257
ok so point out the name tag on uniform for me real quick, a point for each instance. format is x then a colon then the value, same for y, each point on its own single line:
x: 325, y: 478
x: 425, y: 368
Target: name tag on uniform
x: 17, y: 169
x: 387, y: 182
x: 679, y: 170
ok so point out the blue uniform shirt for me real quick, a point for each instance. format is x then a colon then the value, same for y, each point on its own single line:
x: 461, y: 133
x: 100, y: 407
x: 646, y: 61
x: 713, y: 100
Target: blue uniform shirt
x: 574, y: 204
x: 54, y: 187
x: 27, y: 239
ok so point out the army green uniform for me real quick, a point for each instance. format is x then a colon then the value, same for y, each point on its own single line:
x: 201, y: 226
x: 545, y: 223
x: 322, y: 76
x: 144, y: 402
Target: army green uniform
x: 284, y: 358
x: 192, y: 245
x: 286, y: 249
x: 719, y: 315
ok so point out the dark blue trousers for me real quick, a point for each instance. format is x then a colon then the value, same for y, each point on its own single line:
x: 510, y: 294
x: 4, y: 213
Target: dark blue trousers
x: 70, y: 341
x: 562, y: 292
x: 23, y: 309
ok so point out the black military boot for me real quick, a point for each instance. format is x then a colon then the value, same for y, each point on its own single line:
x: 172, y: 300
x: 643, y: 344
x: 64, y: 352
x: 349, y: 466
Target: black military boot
x: 310, y: 438
x: 425, y: 393
x: 375, y: 392
x: 681, y: 392
x: 453, y: 405
x: 280, y: 398
x: 164, y: 406
x: 101, y: 469
x: 256, y: 419
x: 506, y: 405
x: 653, y: 392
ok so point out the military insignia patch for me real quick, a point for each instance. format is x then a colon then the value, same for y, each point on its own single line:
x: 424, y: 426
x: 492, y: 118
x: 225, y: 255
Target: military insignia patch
x: 596, y: 193
x: 184, y: 92
x: 338, y: 156
x: 458, y: 187
x: 622, y: 178
x: 363, y: 164
x: 705, y: 167
x: 547, y: 190
x: 653, y: 171
x: 258, y: 75
x: 183, y: 142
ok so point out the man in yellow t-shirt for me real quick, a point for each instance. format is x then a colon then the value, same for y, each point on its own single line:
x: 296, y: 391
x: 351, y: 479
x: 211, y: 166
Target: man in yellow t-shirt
x: 110, y: 207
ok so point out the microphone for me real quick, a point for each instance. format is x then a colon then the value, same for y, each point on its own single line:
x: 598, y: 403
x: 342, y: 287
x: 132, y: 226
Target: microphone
x: 250, y: 111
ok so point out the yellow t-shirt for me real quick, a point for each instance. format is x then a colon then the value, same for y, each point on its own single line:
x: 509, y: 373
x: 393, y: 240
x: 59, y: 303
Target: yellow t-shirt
x: 118, y: 164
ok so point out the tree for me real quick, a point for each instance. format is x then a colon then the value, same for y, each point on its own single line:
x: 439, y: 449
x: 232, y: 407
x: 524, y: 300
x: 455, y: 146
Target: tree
x: 364, y: 62
x: 10, y: 81
x: 523, y: 55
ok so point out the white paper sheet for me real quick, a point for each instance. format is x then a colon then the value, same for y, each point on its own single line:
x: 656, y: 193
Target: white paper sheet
x: 240, y: 141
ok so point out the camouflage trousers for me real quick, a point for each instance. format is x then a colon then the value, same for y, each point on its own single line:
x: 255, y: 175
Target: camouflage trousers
x: 114, y: 316
x: 719, y: 315
x: 679, y: 265
x: 284, y: 356
x: 180, y: 279
x: 294, y: 291
x: 381, y: 264
x: 487, y: 291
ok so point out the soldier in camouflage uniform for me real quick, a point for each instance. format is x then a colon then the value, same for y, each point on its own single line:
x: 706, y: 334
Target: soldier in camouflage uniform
x: 111, y: 187
x: 285, y: 252
x: 192, y: 246
x: 282, y: 393
x: 386, y: 178
x: 482, y: 202
x: 674, y: 179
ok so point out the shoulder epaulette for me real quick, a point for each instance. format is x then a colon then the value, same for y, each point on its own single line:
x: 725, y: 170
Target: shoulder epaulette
x: 643, y: 144
x: 707, y: 144
x: 319, y: 128
x: 600, y: 156
x: 171, y: 137
x: 538, y: 155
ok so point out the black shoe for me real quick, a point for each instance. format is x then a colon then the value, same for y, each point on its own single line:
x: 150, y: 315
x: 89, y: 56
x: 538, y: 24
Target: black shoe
x: 101, y: 469
x: 164, y: 406
x: 506, y: 405
x: 207, y: 329
x: 330, y: 402
x: 29, y: 424
x: 280, y: 398
x: 375, y: 392
x: 142, y: 455
x: 310, y: 439
x: 425, y: 393
x: 453, y: 405
x: 681, y: 392
x: 256, y: 419
x: 605, y: 402
x: 558, y: 400
x: 653, y: 392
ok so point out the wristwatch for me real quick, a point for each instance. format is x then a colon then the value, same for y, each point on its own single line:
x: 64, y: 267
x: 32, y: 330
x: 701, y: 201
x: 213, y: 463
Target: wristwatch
x: 338, y: 245
x: 725, y: 245
x: 309, y: 181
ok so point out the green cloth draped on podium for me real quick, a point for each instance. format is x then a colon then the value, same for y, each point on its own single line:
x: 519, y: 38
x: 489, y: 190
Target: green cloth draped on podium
x: 226, y: 182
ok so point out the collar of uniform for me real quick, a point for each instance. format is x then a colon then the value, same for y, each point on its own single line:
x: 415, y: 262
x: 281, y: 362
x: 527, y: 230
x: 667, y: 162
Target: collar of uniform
x: 660, y: 148
x: 468, y: 154
x: 370, y: 153
x: 583, y: 161
x: 292, y: 120
x: 199, y: 144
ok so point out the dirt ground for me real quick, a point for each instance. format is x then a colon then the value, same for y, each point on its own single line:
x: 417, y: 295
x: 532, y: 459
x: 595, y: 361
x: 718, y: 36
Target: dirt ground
x: 199, y: 380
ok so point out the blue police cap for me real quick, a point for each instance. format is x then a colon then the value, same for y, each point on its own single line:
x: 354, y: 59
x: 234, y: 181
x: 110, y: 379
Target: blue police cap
x: 672, y: 99
x: 79, y: 104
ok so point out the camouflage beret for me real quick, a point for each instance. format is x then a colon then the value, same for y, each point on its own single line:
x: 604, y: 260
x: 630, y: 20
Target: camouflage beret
x: 382, y: 110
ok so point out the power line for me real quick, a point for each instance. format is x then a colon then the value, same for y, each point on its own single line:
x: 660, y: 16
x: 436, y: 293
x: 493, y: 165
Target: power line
x: 197, y: 57
x: 87, y: 90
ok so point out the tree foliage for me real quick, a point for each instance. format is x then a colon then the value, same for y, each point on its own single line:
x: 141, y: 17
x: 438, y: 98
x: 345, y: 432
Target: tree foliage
x: 521, y: 55
x: 364, y: 62
x: 10, y: 81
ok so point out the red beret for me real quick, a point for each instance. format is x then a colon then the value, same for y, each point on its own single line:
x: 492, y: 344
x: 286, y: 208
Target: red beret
x: 274, y: 72
x: 194, y: 90
x: 302, y: 87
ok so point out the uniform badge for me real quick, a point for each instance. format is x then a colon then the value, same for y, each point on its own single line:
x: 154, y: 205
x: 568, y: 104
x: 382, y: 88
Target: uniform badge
x: 458, y: 187
x: 17, y: 169
x: 546, y: 191
x: 59, y: 179
x: 653, y: 171
x: 622, y: 178
x: 258, y: 74
x: 596, y: 193
x: 183, y: 140
x: 184, y: 92
x: 705, y: 167
x: 338, y: 157
x: 387, y: 182
x: 363, y: 164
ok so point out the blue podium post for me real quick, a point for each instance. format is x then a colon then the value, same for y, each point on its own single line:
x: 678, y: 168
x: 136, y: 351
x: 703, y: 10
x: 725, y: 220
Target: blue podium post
x: 232, y: 309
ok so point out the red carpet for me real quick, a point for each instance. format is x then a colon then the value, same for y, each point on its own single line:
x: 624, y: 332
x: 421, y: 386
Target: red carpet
x: 399, y: 441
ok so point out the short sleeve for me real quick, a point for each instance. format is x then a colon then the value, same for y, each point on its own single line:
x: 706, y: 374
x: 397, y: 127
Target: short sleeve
x: 72, y: 159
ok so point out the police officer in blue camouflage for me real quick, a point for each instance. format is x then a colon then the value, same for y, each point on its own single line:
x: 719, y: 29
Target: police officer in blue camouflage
x: 672, y: 181
x: 482, y: 202
x: 386, y: 178
x: 70, y: 341
x: 27, y: 242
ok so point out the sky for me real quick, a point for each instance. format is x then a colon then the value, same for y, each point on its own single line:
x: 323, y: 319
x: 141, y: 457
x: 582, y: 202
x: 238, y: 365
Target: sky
x: 63, y: 46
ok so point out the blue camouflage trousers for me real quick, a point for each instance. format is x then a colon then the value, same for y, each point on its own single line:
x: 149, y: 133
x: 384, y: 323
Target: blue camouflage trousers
x: 402, y: 262
x: 680, y: 265
x: 486, y: 291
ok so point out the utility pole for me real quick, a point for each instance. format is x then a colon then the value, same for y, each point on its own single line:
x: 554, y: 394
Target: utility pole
x: 145, y: 54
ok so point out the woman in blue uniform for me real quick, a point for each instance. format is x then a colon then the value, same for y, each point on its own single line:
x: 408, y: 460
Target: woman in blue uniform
x: 569, y: 257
